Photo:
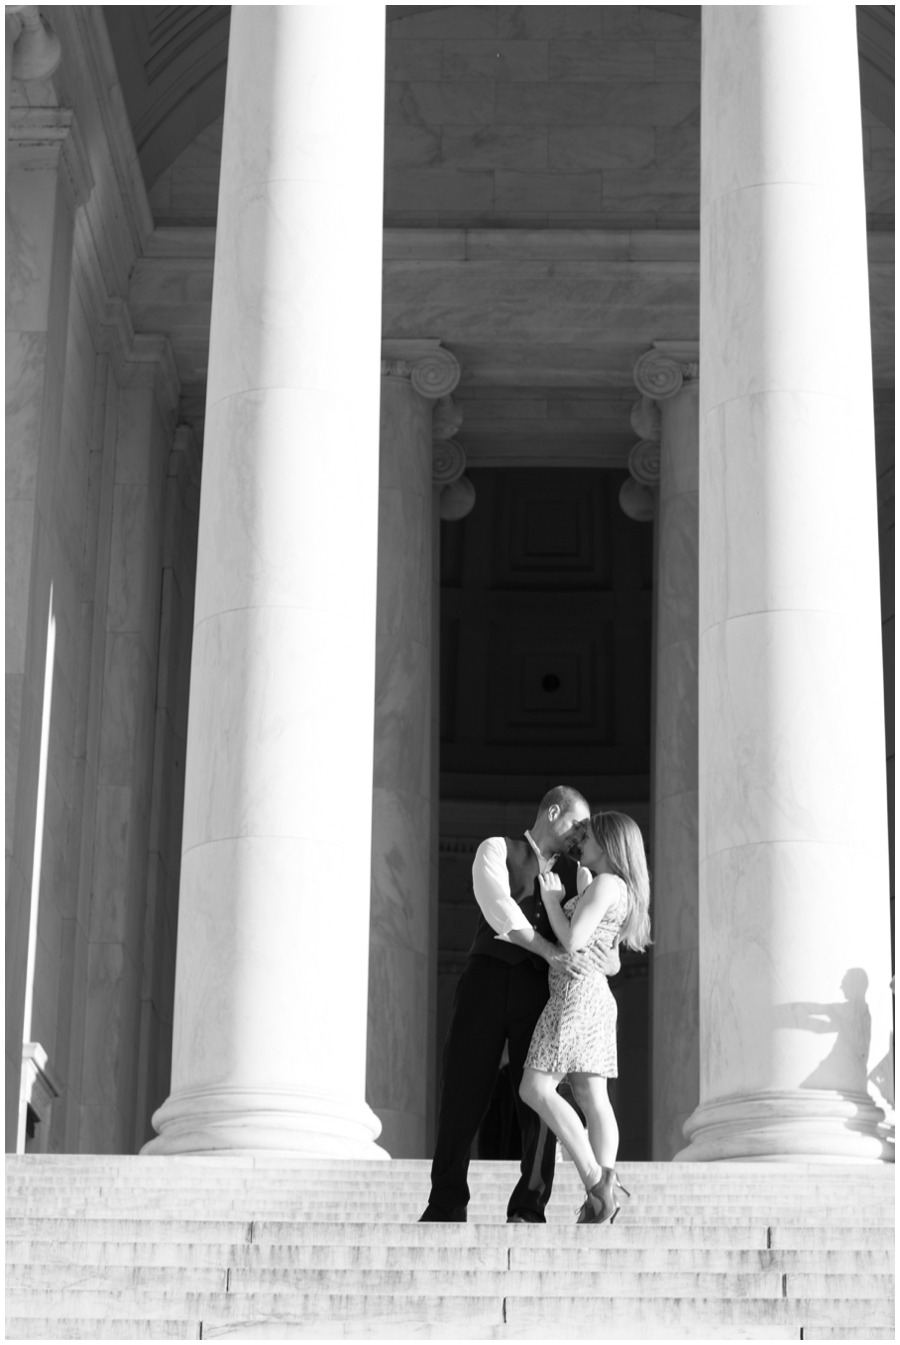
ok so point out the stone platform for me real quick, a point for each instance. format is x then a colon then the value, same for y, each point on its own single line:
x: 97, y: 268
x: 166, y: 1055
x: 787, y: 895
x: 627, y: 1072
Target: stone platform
x: 249, y: 1248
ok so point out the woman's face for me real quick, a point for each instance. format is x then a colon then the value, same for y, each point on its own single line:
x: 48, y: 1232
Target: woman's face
x: 591, y: 852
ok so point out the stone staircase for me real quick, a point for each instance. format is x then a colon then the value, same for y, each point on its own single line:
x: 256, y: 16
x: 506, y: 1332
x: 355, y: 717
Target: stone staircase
x: 175, y: 1249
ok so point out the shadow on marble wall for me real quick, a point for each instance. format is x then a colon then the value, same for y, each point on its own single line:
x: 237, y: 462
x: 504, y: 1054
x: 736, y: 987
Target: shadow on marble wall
x: 849, y: 1019
x: 845, y: 1068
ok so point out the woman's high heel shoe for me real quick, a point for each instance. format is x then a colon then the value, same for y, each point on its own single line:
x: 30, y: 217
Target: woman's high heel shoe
x: 602, y: 1203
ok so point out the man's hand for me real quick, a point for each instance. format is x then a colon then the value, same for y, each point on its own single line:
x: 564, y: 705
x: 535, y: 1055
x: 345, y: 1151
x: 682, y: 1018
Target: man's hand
x: 584, y: 961
x: 605, y: 960
x: 572, y: 965
x: 551, y: 887
x: 566, y: 964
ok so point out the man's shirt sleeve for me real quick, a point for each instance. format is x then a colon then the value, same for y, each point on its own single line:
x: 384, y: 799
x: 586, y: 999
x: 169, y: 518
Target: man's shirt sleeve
x: 490, y: 878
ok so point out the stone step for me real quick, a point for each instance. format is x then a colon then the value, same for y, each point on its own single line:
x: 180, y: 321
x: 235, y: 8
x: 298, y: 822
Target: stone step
x: 684, y: 1330
x: 239, y: 1307
x: 371, y: 1206
x: 104, y: 1328
x: 379, y: 1257
x: 168, y: 1249
x: 265, y: 1221
x: 756, y: 1234
x: 381, y: 1175
x: 75, y: 1163
x: 131, y: 1329
x: 431, y: 1283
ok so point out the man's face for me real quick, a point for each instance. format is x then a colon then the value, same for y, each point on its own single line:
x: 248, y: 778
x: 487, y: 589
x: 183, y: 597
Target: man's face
x: 568, y: 828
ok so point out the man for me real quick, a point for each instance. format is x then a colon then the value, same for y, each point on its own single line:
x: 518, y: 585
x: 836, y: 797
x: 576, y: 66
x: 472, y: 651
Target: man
x: 499, y: 999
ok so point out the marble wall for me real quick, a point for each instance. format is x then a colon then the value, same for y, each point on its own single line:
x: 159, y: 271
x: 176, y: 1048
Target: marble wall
x: 90, y: 420
x: 884, y: 454
x: 537, y: 116
x: 532, y: 116
x: 45, y: 495
x: 557, y: 116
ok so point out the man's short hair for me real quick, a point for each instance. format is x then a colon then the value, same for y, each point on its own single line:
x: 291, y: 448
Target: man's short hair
x: 565, y: 797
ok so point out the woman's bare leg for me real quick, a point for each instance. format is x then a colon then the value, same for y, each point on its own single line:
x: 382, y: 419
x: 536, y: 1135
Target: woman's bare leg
x: 538, y: 1091
x: 603, y: 1130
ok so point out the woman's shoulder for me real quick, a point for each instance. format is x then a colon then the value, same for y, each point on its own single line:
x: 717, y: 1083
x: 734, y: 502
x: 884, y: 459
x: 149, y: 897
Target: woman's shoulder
x: 606, y: 887
x: 610, y: 882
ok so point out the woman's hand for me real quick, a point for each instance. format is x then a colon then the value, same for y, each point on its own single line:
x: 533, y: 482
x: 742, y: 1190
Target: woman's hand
x: 551, y: 887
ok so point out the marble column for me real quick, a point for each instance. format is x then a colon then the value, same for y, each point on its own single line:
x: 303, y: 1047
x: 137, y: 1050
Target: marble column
x: 794, y: 942
x: 269, y: 1041
x: 667, y: 418
x: 47, y: 178
x: 415, y: 374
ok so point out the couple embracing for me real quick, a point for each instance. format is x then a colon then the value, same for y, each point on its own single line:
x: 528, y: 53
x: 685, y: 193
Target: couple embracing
x: 554, y: 906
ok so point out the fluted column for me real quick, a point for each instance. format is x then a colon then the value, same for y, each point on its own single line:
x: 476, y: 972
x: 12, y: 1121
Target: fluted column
x: 417, y: 379
x: 269, y: 1049
x: 667, y: 419
x: 794, y: 939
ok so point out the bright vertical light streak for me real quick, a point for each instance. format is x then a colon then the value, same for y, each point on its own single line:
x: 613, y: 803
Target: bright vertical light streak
x: 38, y: 854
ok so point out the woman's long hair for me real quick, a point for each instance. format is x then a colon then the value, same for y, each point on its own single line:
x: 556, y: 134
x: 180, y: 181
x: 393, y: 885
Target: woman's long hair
x: 621, y: 840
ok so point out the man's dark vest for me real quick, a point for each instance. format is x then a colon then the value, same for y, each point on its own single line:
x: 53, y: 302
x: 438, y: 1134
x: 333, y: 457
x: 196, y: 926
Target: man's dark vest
x: 523, y: 868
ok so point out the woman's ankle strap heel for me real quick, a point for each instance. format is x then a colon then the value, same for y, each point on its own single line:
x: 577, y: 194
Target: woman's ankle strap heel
x: 602, y: 1203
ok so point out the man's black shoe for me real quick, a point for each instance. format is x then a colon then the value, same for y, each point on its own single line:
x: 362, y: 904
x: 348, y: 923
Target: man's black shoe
x: 435, y: 1215
x: 525, y: 1217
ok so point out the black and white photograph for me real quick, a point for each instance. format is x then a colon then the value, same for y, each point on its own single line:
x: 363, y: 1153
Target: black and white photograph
x: 450, y: 672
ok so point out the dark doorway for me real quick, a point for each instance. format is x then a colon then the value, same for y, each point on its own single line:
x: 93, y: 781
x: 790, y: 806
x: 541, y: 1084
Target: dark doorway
x: 546, y: 653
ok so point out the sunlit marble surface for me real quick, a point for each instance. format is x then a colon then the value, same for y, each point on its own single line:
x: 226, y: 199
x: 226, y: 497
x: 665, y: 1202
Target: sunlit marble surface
x: 269, y: 1047
x: 795, y: 1006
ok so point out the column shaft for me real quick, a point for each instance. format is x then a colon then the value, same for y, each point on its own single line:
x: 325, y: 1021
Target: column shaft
x: 269, y: 1048
x: 794, y: 997
x: 675, y: 1077
x: 399, y: 968
x: 40, y: 204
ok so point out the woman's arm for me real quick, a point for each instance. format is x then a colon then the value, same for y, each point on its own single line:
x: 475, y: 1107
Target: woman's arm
x: 593, y: 905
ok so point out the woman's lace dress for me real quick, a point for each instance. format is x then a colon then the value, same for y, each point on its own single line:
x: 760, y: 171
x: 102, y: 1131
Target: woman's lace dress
x: 576, y: 1033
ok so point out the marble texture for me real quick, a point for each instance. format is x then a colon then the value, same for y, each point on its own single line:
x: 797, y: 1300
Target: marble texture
x: 795, y: 1004
x: 397, y: 1078
x: 269, y: 1039
x: 675, y: 955
x: 608, y: 285
x: 41, y: 544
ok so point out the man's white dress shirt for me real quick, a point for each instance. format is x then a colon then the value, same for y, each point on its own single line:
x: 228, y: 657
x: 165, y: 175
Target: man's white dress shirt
x: 490, y: 878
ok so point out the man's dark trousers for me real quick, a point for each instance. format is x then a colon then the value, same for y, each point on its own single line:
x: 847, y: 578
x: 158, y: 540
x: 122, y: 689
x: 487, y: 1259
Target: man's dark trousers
x: 496, y: 1002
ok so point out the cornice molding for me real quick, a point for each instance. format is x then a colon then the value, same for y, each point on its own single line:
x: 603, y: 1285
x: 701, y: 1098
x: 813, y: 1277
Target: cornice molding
x: 35, y: 131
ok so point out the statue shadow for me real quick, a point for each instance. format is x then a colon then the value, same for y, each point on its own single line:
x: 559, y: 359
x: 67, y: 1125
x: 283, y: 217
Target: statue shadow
x: 844, y: 1070
x: 845, y: 1067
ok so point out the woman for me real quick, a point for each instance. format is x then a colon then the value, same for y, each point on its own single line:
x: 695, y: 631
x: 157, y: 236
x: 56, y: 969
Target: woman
x: 576, y: 1033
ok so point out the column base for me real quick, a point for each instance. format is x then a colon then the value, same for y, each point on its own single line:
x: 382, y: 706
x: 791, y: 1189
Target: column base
x: 795, y: 1125
x: 256, y: 1121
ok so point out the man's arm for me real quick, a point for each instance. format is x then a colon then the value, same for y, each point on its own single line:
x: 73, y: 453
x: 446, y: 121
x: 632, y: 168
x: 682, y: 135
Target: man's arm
x: 552, y: 954
x: 490, y: 880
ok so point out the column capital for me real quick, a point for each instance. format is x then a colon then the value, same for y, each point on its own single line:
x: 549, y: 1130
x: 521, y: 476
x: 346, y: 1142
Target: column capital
x: 40, y: 132
x: 433, y: 371
x: 644, y: 461
x: 448, y: 461
x: 660, y: 372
